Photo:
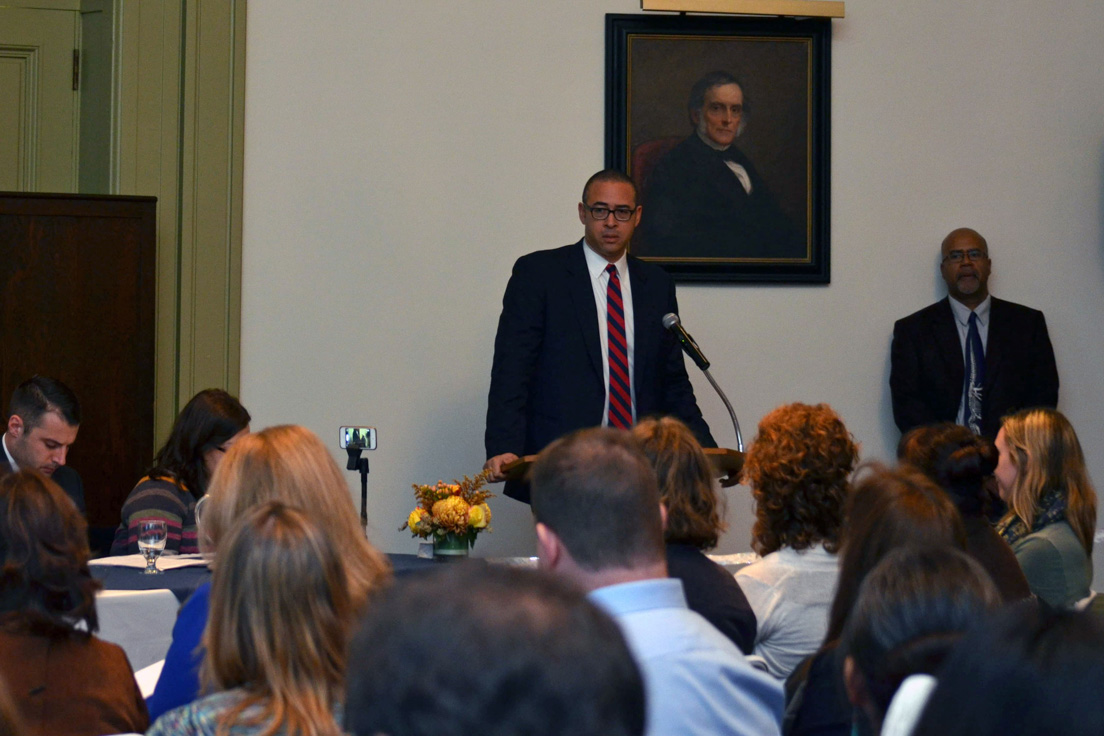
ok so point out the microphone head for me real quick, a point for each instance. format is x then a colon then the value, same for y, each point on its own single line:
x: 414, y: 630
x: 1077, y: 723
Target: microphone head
x: 670, y: 320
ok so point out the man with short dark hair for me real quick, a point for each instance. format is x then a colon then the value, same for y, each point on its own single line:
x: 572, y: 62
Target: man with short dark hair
x: 43, y: 419
x: 970, y: 358
x: 581, y: 341
x: 705, y: 198
x: 490, y: 650
x: 599, y: 524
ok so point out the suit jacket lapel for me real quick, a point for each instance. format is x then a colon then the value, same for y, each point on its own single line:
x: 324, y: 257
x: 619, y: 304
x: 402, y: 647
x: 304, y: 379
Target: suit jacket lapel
x: 581, y: 293
x: 643, y: 316
x: 944, y: 335
x: 999, y: 334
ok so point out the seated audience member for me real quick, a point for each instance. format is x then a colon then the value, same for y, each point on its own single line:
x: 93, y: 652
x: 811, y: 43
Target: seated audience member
x: 490, y: 650
x: 599, y: 525
x: 279, y: 626
x: 287, y: 464
x: 887, y: 510
x: 798, y: 468
x: 65, y: 680
x: 694, y: 523
x: 203, y: 432
x: 1051, y: 515
x: 1027, y: 671
x: 960, y: 462
x: 911, y: 608
x: 43, y: 418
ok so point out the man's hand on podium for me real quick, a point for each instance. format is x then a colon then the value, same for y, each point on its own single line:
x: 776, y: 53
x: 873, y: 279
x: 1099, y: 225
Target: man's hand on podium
x: 731, y: 479
x: 495, y: 465
x: 728, y: 465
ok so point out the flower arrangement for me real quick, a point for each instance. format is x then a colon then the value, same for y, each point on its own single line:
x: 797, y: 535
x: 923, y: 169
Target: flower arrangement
x: 456, y: 510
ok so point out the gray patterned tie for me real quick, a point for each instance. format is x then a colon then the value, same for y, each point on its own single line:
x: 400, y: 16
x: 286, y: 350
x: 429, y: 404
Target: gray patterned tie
x: 975, y: 376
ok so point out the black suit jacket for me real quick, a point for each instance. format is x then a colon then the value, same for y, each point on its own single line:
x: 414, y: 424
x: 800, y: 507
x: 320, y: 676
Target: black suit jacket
x: 547, y: 375
x: 927, y: 371
x: 69, y: 480
x: 714, y: 593
x: 694, y: 206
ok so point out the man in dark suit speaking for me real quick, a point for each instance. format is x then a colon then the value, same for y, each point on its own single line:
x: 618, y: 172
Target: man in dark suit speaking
x: 43, y: 419
x: 581, y: 341
x: 970, y: 358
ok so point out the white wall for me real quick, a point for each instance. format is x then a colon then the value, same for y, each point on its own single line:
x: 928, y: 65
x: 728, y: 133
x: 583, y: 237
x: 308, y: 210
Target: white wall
x: 400, y: 155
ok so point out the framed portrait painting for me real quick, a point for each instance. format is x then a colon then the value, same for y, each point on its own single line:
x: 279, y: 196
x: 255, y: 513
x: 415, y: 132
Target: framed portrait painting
x: 723, y: 123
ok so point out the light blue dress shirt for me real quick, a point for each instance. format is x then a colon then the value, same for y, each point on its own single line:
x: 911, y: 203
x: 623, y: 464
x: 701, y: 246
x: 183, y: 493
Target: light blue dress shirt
x: 696, y: 680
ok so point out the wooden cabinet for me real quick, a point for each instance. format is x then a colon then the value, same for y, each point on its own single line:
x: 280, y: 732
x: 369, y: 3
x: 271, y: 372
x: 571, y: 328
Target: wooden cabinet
x: 77, y: 285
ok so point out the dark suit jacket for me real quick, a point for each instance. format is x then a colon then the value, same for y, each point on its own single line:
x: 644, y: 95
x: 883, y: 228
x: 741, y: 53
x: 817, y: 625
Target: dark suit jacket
x: 714, y: 593
x: 694, y: 206
x: 546, y: 379
x: 926, y: 366
x: 69, y: 480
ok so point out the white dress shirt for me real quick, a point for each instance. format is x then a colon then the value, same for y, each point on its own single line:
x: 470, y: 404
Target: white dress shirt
x: 11, y: 460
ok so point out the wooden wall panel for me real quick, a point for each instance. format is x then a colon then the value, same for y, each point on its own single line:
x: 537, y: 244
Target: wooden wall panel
x: 77, y: 303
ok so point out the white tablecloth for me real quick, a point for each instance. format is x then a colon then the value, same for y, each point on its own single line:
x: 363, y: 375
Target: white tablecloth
x: 140, y: 621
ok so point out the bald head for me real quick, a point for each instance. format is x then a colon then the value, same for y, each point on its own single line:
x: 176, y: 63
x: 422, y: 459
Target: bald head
x: 966, y: 237
x: 965, y: 266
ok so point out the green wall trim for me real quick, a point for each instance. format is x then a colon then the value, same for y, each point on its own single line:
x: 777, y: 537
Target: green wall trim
x: 179, y: 99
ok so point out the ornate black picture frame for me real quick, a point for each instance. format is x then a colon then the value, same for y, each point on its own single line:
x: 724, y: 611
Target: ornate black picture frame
x: 758, y: 210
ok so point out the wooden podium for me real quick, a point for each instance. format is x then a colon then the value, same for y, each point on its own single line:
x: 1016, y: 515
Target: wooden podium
x: 727, y: 465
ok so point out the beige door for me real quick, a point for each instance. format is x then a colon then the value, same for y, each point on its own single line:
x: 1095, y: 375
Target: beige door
x: 39, y: 109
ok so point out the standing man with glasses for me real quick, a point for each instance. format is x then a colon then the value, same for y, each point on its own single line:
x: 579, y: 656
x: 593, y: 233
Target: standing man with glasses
x: 970, y: 358
x: 581, y: 341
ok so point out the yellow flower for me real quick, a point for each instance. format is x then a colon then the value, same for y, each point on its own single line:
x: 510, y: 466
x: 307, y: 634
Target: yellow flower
x: 415, y: 518
x: 479, y: 516
x: 451, y: 512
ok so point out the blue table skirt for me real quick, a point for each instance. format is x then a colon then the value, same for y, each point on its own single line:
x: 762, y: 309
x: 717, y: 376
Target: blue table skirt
x: 183, y: 581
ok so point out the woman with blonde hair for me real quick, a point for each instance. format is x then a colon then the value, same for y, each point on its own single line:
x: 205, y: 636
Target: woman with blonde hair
x: 798, y: 468
x: 285, y: 463
x: 279, y: 625
x: 695, y: 521
x: 1051, y: 517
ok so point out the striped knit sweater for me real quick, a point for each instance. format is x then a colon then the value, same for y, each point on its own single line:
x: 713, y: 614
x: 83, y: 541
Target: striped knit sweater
x: 158, y: 498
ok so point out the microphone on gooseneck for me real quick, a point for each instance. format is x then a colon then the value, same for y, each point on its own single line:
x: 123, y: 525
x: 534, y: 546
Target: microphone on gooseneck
x: 672, y: 322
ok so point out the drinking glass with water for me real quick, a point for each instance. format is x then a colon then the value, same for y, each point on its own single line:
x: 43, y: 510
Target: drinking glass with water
x: 152, y: 536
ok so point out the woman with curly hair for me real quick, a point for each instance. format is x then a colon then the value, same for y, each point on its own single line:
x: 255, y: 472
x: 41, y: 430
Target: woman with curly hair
x: 1041, y: 475
x: 798, y: 468
x: 63, y: 678
x: 695, y: 520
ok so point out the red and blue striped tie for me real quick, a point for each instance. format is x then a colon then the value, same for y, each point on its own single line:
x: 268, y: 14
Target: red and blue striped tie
x: 620, y: 392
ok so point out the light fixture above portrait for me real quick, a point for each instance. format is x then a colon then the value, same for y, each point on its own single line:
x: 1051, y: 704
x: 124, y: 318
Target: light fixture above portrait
x: 794, y: 8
